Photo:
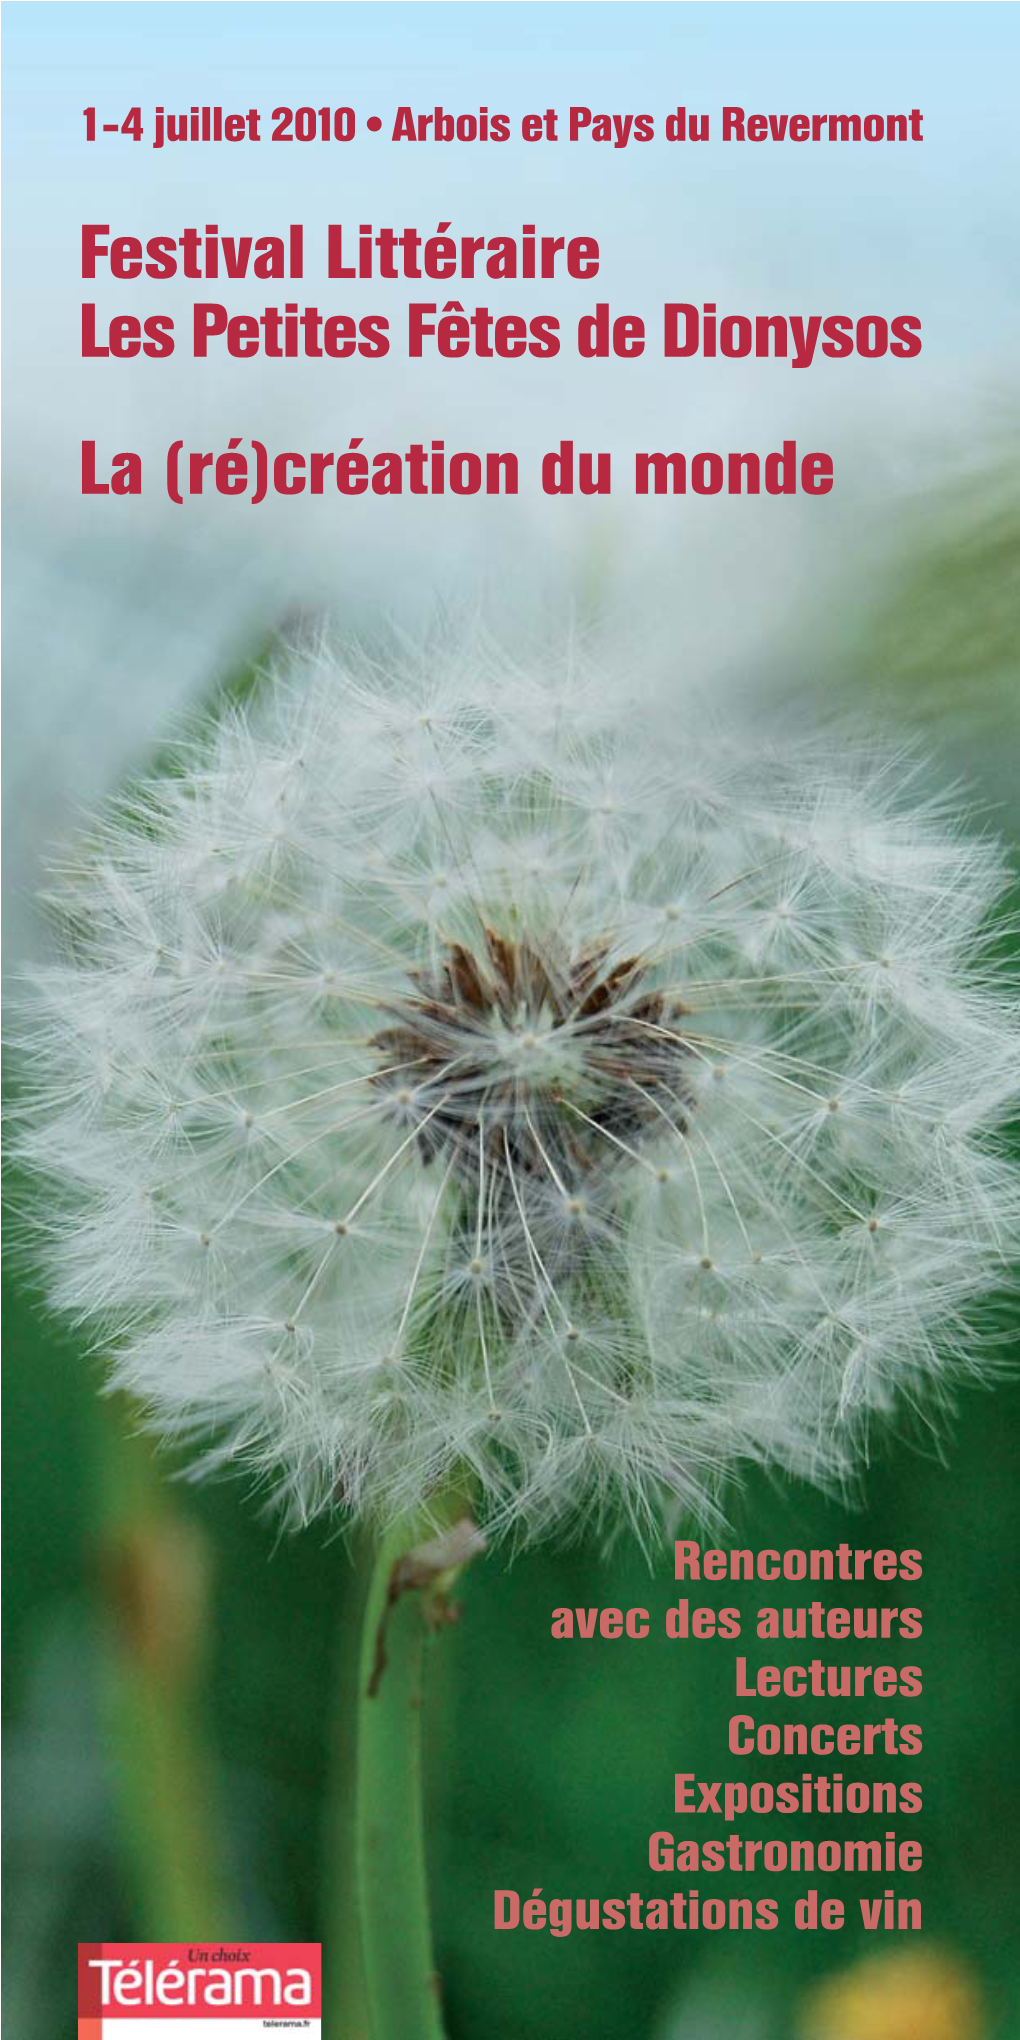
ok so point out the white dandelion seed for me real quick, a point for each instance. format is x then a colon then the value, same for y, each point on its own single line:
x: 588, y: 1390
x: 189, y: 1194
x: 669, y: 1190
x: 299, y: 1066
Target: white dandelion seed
x: 456, y: 1070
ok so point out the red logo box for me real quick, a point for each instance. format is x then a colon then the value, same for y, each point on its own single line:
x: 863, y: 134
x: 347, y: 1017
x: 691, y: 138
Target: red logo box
x: 249, y: 1980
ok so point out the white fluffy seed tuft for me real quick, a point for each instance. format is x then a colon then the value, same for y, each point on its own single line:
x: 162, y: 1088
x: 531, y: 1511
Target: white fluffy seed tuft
x: 459, y: 1071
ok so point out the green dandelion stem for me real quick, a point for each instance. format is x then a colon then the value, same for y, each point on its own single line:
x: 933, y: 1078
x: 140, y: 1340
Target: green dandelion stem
x: 407, y: 1604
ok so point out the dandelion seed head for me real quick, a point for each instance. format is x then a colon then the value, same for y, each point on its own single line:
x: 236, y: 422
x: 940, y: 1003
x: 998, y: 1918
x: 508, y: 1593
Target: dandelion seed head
x: 453, y: 1069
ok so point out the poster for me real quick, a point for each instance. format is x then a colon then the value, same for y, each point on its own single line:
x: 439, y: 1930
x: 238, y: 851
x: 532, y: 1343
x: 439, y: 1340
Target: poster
x: 511, y: 705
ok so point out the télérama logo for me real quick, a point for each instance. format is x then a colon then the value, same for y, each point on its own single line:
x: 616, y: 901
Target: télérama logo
x: 165, y: 1989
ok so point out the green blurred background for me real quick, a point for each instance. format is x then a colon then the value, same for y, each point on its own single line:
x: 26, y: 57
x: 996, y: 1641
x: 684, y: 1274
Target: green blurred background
x: 177, y: 1682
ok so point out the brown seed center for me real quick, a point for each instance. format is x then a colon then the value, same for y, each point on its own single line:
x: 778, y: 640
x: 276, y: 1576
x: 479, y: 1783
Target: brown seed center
x: 534, y: 1060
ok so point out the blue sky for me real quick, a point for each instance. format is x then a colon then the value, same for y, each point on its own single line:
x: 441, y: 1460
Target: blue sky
x: 922, y: 229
